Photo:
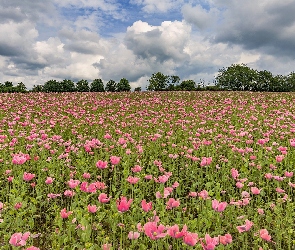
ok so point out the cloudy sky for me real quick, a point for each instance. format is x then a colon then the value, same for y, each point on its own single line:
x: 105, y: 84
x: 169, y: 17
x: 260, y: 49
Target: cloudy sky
x: 111, y: 39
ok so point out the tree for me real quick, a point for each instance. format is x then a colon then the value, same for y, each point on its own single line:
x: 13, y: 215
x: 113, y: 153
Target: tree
x: 236, y: 77
x: 158, y: 82
x: 188, y: 85
x: 21, y: 88
x: 67, y: 86
x: 82, y: 86
x: 291, y: 81
x: 37, y: 88
x: 111, y: 86
x: 52, y: 86
x: 97, y: 86
x: 137, y: 89
x: 264, y: 81
x: 8, y: 84
x: 123, y: 85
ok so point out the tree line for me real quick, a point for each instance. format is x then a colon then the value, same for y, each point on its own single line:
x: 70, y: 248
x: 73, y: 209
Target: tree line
x: 237, y: 77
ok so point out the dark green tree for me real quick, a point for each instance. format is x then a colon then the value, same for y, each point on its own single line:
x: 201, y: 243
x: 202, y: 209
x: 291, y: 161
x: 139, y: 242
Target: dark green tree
x: 37, y: 88
x: 111, y: 86
x: 67, y: 85
x: 51, y: 86
x: 123, y: 85
x: 82, y: 86
x: 237, y: 77
x: 97, y: 86
x: 158, y: 82
x: 21, y: 87
x: 188, y: 85
x: 137, y: 89
x: 291, y: 81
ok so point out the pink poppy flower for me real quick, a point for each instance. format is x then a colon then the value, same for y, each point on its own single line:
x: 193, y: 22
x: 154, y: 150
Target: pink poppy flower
x: 49, y: 180
x: 19, y: 239
x: 115, y: 160
x: 73, y: 183
x: 33, y: 248
x: 64, y: 214
x: 132, y: 180
x: 264, y: 235
x: 146, y: 206
x: 92, y: 208
x: 255, y: 190
x: 226, y: 239
x: 190, y: 239
x: 133, y: 235
x: 172, y: 203
x: 28, y: 176
x: 123, y: 204
x: 210, y: 242
x: 218, y: 206
x: 103, y: 198
x: 203, y: 194
x: 174, y: 232
x: 245, y: 227
x: 102, y: 164
x: 153, y: 231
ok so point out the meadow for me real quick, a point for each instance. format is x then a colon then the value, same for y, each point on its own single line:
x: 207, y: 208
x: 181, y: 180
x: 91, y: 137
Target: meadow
x: 149, y: 170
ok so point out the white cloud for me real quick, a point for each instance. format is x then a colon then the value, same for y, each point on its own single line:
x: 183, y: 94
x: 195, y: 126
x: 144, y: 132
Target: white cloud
x: 199, y: 16
x: 151, y: 6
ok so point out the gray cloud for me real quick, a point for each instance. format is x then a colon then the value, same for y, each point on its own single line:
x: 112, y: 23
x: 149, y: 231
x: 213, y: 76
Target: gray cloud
x: 266, y: 25
x: 165, y: 42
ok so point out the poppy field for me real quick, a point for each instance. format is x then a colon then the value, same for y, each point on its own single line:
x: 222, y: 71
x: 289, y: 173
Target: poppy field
x: 149, y: 170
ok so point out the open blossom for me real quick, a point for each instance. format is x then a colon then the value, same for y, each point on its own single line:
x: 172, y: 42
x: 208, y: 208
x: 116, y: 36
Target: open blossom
x: 210, y: 242
x: 88, y: 188
x: 64, y: 214
x: 226, y: 239
x: 103, y: 198
x: 218, y: 206
x: 49, y: 180
x: 206, y: 161
x: 172, y: 203
x: 174, y: 232
x: 255, y: 190
x: 245, y: 227
x: 28, y: 176
x: 73, y: 183
x: 123, y: 204
x: 33, y: 248
x: 132, y: 180
x: 101, y: 164
x: 92, y: 208
x: 19, y: 239
x: 136, y: 169
x: 133, y: 235
x: 264, y: 235
x: 19, y: 159
x: 115, y: 160
x: 146, y: 206
x: 190, y: 239
x: 153, y: 231
x: 203, y: 194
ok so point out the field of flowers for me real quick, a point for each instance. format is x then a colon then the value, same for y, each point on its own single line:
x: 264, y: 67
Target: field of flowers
x: 169, y: 170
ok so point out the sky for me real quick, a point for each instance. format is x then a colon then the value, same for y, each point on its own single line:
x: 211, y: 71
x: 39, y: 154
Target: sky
x: 132, y: 39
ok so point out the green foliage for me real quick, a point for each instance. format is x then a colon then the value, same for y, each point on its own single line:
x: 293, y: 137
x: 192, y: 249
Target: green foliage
x: 123, y: 85
x: 237, y: 77
x: 137, y: 89
x: 188, y: 85
x: 111, y: 86
x: 158, y: 82
x: 67, y: 86
x: 97, y: 86
x: 82, y: 86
